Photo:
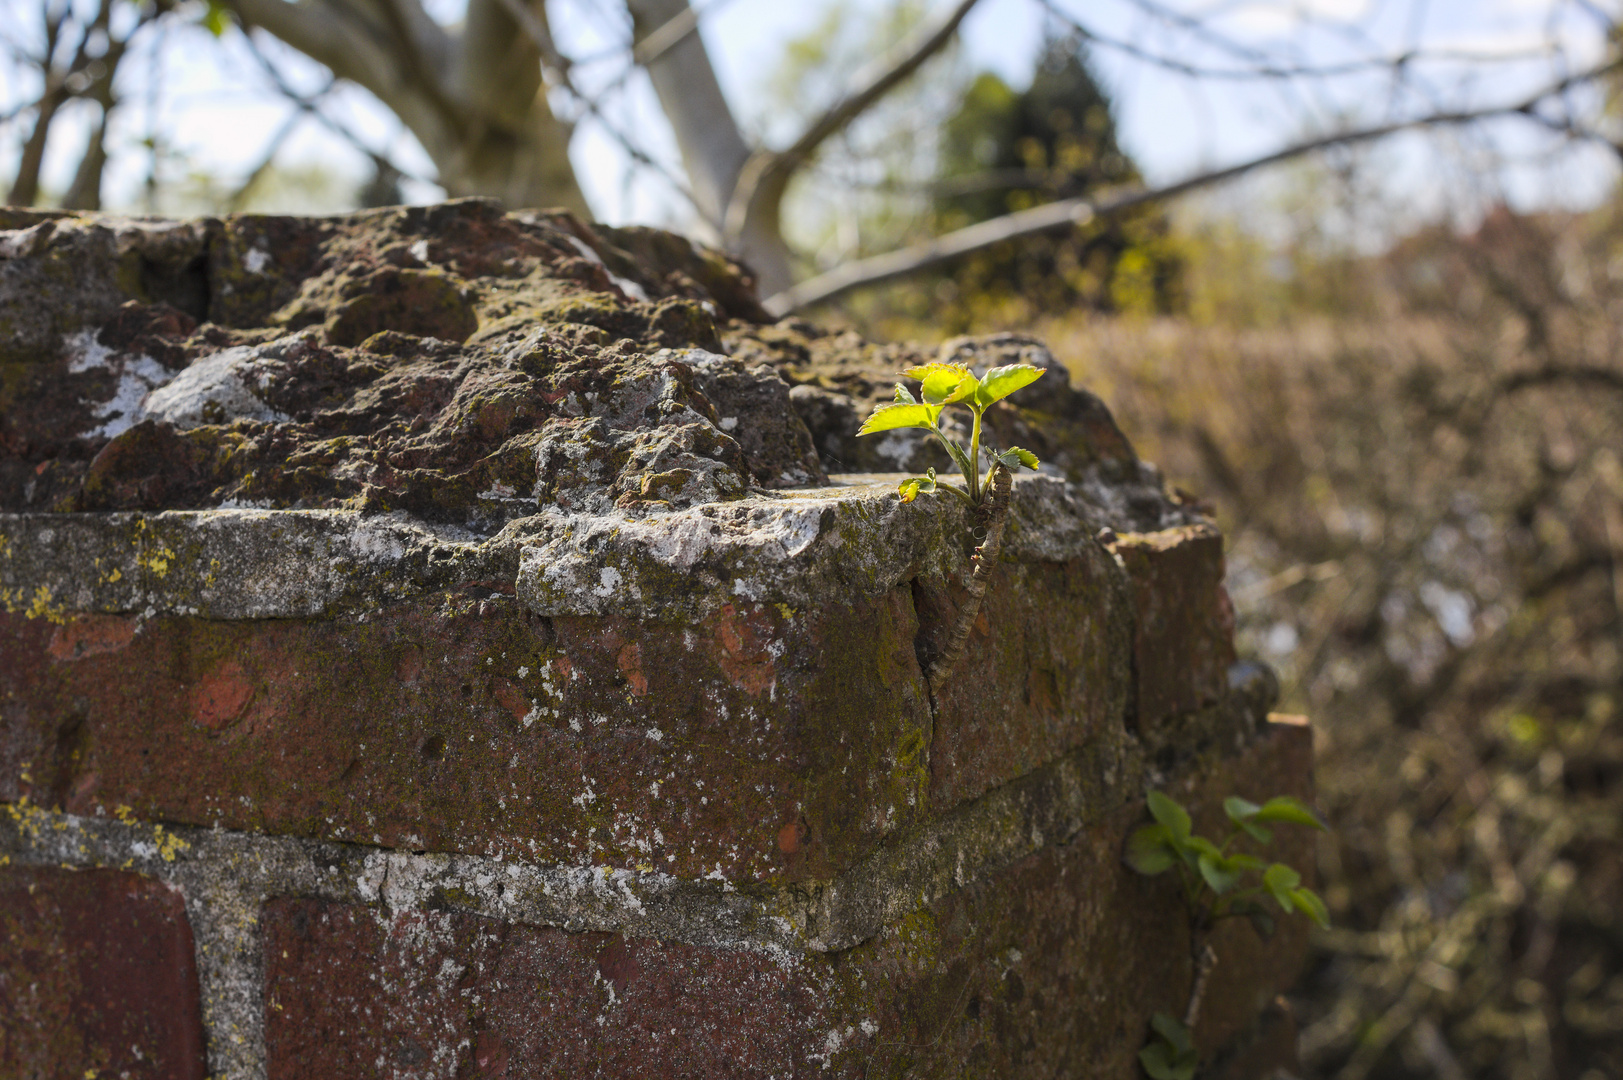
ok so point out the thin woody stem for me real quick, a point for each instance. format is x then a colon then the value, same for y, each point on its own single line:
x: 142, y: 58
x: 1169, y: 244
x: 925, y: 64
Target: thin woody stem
x: 1204, y: 963
x: 986, y: 557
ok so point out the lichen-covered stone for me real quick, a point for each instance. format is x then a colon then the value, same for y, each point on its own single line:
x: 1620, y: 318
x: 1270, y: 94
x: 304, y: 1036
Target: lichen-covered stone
x: 449, y: 361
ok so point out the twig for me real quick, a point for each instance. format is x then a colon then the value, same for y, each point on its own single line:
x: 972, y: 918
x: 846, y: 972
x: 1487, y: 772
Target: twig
x: 986, y: 557
x: 767, y: 167
x: 1204, y: 963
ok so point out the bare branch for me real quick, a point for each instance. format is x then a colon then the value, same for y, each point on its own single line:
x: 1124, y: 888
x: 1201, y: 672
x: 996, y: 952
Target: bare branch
x: 307, y: 105
x: 558, y: 73
x: 1268, y: 69
x: 355, y: 46
x: 1068, y: 212
x: 767, y: 172
x: 666, y: 37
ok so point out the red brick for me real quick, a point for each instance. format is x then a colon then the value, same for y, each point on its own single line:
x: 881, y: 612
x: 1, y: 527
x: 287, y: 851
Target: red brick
x: 1045, y: 670
x: 97, y: 977
x: 1183, y: 641
x: 432, y: 725
x: 1050, y: 966
x: 354, y: 992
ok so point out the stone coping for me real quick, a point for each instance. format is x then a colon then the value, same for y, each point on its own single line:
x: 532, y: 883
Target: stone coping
x: 797, y: 547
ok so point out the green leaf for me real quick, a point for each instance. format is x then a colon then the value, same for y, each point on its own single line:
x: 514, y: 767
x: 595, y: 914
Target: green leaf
x: 1246, y: 862
x: 1219, y: 874
x: 913, y: 486
x: 1243, y: 813
x: 1294, y: 811
x: 1173, y: 1032
x: 900, y: 415
x: 1150, y: 850
x: 1308, y: 903
x: 1171, y: 815
x: 1239, y: 809
x: 1202, y: 846
x: 943, y: 384
x: 216, y: 18
x: 1279, y: 880
x: 1025, y: 457
x: 904, y: 396
x: 1261, y: 921
x: 1000, y: 382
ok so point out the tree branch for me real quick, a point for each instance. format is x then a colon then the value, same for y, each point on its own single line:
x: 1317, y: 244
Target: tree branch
x: 768, y: 171
x: 1078, y: 211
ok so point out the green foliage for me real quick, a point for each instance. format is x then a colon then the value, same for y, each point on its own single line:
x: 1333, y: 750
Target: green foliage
x: 1218, y: 883
x: 1170, y: 1054
x: 1008, y: 150
x: 940, y: 385
x: 1213, y: 874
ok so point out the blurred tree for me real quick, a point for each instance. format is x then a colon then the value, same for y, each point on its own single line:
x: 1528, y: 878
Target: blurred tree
x: 77, y: 61
x: 1005, y: 151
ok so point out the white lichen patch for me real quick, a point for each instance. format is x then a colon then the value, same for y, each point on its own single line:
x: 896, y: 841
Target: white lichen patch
x: 216, y: 389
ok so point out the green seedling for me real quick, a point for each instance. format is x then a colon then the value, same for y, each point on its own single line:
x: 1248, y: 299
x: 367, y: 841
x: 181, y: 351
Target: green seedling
x: 941, y: 385
x: 1218, y: 882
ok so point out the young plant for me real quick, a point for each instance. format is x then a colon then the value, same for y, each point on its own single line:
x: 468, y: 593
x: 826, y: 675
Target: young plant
x: 941, y: 385
x: 1218, y: 883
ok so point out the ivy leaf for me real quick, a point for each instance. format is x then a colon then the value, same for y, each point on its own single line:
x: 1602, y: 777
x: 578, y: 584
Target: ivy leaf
x: 900, y: 415
x: 1174, y: 817
x: 1279, y: 880
x: 1000, y: 382
x: 1150, y: 850
x: 943, y: 384
x: 1294, y: 811
x: 1308, y: 903
x: 904, y: 396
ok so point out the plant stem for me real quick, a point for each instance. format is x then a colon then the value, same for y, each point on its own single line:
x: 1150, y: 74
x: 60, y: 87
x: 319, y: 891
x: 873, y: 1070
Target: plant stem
x: 975, y: 458
x: 1205, y: 961
x: 986, y: 557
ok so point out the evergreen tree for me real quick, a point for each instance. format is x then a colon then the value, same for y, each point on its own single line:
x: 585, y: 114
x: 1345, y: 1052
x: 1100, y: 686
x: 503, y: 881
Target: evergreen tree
x: 1006, y: 150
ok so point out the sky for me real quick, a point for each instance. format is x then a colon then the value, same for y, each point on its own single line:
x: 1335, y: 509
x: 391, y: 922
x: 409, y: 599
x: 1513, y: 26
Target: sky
x: 216, y: 113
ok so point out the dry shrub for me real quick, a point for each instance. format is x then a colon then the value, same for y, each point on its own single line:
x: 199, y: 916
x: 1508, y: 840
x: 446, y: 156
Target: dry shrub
x: 1425, y: 515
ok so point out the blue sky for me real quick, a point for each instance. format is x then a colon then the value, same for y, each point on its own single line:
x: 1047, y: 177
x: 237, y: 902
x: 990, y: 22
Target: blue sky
x: 214, y: 110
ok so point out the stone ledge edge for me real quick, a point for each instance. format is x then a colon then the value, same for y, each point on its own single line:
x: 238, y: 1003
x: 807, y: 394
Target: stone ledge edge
x: 796, y: 547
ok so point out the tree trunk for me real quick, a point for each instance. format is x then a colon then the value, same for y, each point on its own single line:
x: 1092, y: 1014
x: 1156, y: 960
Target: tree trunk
x: 524, y: 164
x: 85, y: 192
x: 713, y: 149
x: 475, y: 102
x: 25, y: 189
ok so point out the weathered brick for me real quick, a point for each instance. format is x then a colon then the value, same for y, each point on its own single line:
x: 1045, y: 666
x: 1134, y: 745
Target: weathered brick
x: 96, y: 977
x: 1047, y: 668
x: 355, y: 992
x: 1183, y: 640
x: 1051, y: 965
x: 464, y: 724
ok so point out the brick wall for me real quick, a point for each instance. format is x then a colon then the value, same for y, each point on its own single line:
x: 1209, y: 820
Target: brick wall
x: 500, y: 687
x: 445, y: 835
